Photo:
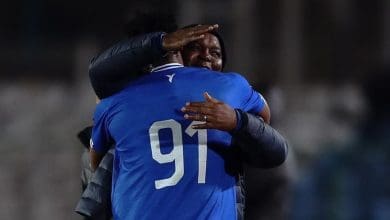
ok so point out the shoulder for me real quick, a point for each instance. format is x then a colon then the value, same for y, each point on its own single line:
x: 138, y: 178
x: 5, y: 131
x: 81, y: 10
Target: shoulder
x: 235, y: 76
x: 237, y: 79
x: 229, y: 79
x: 201, y: 73
x: 103, y: 106
x: 217, y: 74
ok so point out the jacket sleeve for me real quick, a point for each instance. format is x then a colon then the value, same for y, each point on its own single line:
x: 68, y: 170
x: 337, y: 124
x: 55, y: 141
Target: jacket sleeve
x: 114, y: 68
x: 260, y: 144
x: 96, y: 198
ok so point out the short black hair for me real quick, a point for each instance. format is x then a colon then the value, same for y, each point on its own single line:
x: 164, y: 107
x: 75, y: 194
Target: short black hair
x: 142, y: 22
x: 221, y: 42
x: 220, y: 39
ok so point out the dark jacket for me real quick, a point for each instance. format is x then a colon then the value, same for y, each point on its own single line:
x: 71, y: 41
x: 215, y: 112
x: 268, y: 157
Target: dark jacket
x: 113, y: 69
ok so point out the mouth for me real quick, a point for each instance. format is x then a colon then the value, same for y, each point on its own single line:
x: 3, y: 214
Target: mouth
x: 205, y: 65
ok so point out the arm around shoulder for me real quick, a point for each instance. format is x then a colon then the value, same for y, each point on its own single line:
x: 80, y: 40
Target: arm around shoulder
x: 111, y: 70
x: 261, y: 145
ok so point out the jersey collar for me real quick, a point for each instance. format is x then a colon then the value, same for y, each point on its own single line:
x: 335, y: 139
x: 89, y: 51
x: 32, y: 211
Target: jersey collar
x: 167, y: 66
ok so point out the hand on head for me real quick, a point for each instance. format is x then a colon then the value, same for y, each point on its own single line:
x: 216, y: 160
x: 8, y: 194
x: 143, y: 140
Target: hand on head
x: 176, y: 40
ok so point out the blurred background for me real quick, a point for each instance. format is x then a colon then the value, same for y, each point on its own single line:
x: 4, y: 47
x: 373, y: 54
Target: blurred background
x: 323, y: 66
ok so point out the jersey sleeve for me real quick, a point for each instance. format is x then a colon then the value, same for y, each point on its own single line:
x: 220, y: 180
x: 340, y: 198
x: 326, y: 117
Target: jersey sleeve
x: 255, y: 102
x: 101, y: 139
x: 252, y: 101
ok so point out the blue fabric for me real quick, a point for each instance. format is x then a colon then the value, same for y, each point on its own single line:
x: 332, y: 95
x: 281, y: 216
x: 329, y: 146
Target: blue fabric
x: 157, y: 158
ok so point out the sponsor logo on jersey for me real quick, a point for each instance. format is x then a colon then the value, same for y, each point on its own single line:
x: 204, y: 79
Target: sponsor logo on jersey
x: 170, y: 77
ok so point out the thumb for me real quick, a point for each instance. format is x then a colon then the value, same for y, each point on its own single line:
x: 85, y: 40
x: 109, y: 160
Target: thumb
x: 208, y: 98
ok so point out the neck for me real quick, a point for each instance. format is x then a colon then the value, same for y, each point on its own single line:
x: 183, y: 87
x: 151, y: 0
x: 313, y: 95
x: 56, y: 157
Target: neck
x: 170, y: 57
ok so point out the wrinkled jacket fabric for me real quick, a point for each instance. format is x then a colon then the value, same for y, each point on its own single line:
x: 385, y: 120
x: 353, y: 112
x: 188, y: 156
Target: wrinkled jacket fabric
x: 112, y: 70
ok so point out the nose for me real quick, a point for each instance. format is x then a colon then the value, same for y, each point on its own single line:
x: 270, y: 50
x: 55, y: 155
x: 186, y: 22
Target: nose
x: 206, y: 55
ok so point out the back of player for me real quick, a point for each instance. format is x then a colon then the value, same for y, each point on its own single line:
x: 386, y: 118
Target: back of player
x: 163, y: 168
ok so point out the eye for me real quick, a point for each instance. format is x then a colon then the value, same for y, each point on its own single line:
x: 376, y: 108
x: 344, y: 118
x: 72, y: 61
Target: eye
x: 194, y: 47
x: 216, y: 53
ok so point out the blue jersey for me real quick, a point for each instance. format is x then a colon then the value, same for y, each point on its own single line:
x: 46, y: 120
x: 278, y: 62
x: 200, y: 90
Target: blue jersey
x: 164, y: 169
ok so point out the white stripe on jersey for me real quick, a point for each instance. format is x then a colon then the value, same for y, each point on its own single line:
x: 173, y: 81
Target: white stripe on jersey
x: 167, y: 66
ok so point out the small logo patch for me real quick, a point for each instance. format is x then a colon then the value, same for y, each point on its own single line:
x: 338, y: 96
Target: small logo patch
x: 170, y: 77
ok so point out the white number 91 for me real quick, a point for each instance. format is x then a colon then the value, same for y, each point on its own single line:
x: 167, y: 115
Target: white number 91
x: 177, y: 155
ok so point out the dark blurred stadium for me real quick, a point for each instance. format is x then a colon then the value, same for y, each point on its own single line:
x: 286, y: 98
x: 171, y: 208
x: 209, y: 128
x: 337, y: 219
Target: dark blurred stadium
x: 322, y: 65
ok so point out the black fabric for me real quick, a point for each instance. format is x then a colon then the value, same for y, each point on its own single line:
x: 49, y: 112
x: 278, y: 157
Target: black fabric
x: 92, y: 210
x: 240, y: 197
x: 222, y: 44
x: 85, y: 135
x: 113, y: 69
x: 95, y: 202
x: 261, y: 145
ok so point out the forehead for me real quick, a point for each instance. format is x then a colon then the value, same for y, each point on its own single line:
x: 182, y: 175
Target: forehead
x: 209, y: 40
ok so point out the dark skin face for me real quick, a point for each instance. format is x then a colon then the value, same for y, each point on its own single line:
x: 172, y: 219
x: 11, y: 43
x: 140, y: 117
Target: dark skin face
x: 205, y: 52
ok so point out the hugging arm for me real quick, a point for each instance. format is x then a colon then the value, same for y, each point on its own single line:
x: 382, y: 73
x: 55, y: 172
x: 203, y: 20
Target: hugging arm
x: 113, y: 69
x: 260, y: 144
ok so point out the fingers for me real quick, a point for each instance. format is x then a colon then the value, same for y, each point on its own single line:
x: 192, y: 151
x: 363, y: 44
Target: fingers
x: 205, y: 108
x: 196, y: 110
x: 198, y: 117
x: 202, y: 111
x: 200, y: 104
x: 201, y: 126
x: 196, y: 37
x: 198, y: 107
x: 197, y: 32
x: 179, y: 38
x: 208, y: 98
x: 210, y: 102
x: 201, y: 29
